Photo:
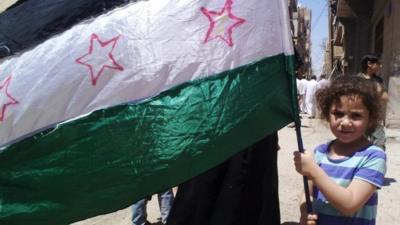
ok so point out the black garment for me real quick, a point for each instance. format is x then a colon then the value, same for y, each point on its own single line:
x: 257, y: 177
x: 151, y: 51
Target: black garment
x: 374, y: 78
x: 30, y: 22
x: 241, y: 191
x: 377, y: 79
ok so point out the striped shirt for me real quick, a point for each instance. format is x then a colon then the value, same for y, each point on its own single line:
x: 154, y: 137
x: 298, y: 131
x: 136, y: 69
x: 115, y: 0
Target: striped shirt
x: 368, y: 164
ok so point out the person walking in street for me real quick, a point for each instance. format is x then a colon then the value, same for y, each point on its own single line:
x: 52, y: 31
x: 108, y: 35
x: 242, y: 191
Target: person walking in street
x: 311, y: 88
x: 344, y: 174
x: 370, y: 68
x: 300, y: 84
x: 322, y: 82
x: 139, y: 211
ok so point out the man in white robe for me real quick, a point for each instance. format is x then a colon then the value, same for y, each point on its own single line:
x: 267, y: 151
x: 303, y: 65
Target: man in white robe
x: 301, y: 87
x: 323, y: 82
x: 311, y: 88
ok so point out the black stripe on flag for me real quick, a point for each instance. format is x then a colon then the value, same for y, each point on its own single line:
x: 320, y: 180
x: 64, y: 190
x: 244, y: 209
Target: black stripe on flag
x: 27, y: 23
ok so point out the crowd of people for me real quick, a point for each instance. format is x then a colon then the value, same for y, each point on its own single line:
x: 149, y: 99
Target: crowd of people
x: 306, y: 89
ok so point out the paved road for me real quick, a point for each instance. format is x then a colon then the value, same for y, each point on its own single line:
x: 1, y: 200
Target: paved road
x: 314, y: 132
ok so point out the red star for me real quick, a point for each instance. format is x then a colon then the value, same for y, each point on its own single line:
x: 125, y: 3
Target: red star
x: 5, y: 98
x: 102, y: 59
x: 222, y: 22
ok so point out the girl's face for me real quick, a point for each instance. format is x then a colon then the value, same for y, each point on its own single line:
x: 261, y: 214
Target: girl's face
x: 349, y: 119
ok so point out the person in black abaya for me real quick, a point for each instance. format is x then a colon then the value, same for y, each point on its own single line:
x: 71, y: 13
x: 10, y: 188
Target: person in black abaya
x: 241, y: 191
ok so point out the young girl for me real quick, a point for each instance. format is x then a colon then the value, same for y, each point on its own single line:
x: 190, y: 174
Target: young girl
x: 345, y: 173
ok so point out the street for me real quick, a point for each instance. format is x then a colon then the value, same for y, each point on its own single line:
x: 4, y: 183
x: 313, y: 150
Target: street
x: 314, y: 132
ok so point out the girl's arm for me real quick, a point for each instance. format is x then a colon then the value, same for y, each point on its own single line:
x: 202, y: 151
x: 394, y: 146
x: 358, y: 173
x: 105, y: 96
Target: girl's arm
x: 347, y: 200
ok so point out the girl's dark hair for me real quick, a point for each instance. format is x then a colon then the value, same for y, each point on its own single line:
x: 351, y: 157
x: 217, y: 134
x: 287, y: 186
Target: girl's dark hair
x: 347, y: 86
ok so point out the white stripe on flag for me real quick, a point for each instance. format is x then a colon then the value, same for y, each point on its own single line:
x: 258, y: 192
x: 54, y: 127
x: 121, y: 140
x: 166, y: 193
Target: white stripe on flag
x: 133, y: 53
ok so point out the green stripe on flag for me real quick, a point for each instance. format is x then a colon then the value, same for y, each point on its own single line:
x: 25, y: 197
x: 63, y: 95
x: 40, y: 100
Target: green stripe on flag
x: 107, y: 160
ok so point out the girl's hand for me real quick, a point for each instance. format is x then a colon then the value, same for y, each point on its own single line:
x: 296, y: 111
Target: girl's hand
x: 310, y: 219
x: 304, y: 163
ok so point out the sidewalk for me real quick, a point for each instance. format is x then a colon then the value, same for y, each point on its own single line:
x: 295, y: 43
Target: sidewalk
x: 392, y: 135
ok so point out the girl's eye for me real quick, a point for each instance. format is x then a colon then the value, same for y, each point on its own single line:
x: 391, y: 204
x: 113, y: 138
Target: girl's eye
x: 356, y: 115
x: 338, y: 114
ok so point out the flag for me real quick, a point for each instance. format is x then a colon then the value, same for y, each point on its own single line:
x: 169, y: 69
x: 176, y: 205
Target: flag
x: 138, y: 99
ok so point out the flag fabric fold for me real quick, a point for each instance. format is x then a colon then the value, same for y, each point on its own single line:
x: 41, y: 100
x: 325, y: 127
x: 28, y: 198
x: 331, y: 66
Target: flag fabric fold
x: 137, y: 100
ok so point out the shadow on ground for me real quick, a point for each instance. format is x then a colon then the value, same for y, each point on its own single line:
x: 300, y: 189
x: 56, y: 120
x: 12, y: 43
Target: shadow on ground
x: 388, y: 181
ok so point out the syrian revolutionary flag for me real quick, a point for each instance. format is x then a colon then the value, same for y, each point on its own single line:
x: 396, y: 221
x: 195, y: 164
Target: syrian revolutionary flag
x: 137, y: 100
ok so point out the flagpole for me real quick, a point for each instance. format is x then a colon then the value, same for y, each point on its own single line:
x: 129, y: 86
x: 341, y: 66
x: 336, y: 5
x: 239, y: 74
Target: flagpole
x: 305, y: 179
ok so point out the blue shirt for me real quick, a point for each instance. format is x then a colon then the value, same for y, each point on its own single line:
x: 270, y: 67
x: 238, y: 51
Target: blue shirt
x: 367, y: 164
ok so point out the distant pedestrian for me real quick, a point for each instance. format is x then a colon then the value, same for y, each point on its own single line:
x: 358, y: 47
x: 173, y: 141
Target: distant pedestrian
x: 371, y: 67
x: 309, y: 99
x: 300, y: 84
x: 322, y: 82
x: 304, y: 82
x: 345, y: 173
x: 139, y: 209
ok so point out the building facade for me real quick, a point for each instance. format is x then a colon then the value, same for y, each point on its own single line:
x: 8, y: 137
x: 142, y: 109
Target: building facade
x: 300, y: 18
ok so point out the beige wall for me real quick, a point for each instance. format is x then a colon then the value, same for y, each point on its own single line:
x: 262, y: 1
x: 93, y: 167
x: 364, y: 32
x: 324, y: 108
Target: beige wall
x: 391, y: 61
x: 391, y: 41
x: 393, y: 108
